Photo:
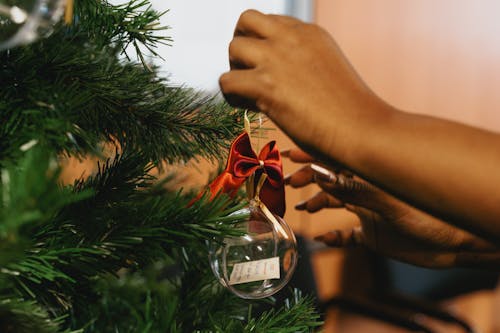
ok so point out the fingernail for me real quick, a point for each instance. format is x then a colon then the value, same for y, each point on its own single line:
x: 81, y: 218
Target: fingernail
x: 320, y: 238
x: 357, y: 235
x: 331, y: 238
x: 322, y: 173
x: 301, y: 205
x: 285, y: 153
x: 287, y: 178
x: 349, y: 207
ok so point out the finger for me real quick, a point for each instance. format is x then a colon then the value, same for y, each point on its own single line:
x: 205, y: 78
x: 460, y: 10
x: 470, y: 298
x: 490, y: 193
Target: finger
x: 354, y: 191
x: 342, y: 238
x: 482, y: 260
x: 297, y: 155
x: 245, y: 52
x: 300, y: 178
x: 306, y: 175
x: 473, y: 243
x: 240, y: 88
x: 319, y: 201
x: 256, y: 24
x: 327, y: 169
x: 364, y: 214
x: 369, y: 227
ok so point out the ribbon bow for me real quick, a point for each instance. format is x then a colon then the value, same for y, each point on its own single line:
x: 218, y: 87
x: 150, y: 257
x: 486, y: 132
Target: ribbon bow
x: 243, y: 162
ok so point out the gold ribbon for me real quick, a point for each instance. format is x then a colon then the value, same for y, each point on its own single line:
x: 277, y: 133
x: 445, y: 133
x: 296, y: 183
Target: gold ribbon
x: 253, y: 196
x: 68, y: 12
x: 253, y: 192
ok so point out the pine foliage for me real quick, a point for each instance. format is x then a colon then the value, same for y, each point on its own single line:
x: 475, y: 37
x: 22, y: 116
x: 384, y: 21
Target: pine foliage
x: 115, y: 251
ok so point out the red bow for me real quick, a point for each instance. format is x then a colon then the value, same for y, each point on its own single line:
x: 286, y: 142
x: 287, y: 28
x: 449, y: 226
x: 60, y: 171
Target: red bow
x: 242, y: 162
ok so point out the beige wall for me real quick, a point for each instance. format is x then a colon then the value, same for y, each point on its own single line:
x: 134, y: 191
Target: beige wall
x: 439, y: 57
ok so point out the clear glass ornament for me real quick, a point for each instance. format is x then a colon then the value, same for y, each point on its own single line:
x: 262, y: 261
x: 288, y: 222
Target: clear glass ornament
x: 23, y: 21
x: 262, y: 260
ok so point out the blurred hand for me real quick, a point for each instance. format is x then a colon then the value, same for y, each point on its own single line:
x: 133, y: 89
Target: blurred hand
x: 387, y: 225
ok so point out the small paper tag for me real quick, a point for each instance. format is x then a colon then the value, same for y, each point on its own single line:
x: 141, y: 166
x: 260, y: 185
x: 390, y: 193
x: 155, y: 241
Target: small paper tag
x: 256, y: 270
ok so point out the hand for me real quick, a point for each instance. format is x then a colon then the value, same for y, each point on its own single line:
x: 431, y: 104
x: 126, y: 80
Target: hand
x: 296, y: 74
x: 388, y: 225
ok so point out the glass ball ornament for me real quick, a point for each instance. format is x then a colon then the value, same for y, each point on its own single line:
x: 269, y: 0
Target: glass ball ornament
x: 24, y: 21
x: 261, y: 259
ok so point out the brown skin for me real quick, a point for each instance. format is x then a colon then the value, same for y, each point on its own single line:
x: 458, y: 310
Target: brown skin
x: 296, y: 74
x: 388, y: 225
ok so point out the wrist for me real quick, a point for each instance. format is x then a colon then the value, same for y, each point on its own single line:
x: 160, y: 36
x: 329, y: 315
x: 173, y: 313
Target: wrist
x: 358, y: 135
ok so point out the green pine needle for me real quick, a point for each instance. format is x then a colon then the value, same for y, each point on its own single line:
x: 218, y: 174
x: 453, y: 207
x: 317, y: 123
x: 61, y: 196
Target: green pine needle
x: 114, y: 252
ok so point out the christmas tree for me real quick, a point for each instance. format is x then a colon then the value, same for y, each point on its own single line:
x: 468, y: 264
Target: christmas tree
x: 116, y: 250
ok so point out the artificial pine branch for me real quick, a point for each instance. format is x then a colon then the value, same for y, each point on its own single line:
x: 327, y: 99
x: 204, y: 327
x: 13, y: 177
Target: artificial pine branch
x: 73, y: 92
x: 119, y: 225
x: 82, y: 96
x: 88, y: 255
x: 134, y: 23
x: 30, y: 197
x: 19, y: 316
x: 297, y: 316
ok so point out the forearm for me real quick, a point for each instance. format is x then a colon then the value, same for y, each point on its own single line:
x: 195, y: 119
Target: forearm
x: 445, y: 168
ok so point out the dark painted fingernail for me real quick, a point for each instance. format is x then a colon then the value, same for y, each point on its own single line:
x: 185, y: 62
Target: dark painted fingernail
x: 287, y: 178
x: 301, y: 205
x: 350, y: 207
x: 331, y: 238
x: 320, y: 238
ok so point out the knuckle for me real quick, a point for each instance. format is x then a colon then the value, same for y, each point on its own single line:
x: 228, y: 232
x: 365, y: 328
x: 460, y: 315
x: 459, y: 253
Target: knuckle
x: 247, y: 14
x: 301, y: 32
x: 292, y: 37
x: 267, y: 81
x: 232, y: 46
x: 265, y: 91
x: 340, y: 182
x: 309, y: 29
x: 353, y: 185
x: 224, y: 82
x: 304, y: 33
x: 350, y: 185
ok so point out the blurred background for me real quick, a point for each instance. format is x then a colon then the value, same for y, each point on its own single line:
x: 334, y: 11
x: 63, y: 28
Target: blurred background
x: 425, y: 56
x: 202, y: 30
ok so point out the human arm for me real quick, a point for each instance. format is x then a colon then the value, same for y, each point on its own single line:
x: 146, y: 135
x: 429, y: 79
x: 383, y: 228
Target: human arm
x: 296, y: 74
x: 387, y: 225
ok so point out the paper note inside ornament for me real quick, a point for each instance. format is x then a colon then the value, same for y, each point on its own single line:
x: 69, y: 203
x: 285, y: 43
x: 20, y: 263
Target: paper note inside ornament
x: 256, y: 270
